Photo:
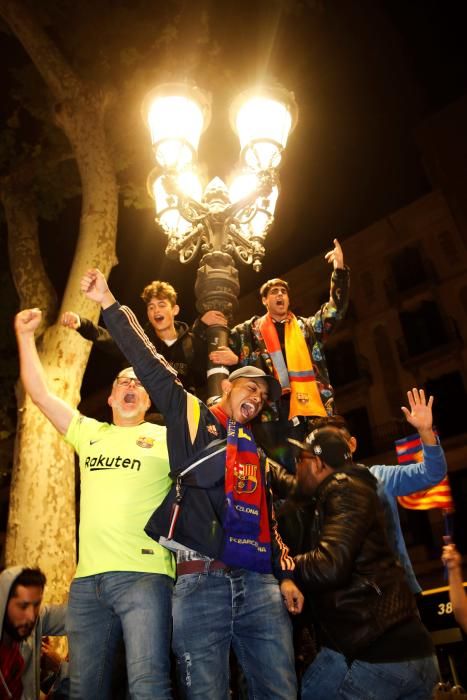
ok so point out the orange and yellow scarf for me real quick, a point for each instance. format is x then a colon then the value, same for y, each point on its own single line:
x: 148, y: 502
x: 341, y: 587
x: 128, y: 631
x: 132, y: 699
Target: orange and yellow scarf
x: 297, y: 377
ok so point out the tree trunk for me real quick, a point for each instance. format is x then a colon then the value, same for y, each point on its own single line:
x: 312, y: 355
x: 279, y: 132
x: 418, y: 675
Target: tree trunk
x: 41, y: 525
x: 30, y: 278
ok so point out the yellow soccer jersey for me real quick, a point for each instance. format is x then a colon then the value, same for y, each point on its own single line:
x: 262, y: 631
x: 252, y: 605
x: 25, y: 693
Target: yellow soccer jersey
x: 124, y: 478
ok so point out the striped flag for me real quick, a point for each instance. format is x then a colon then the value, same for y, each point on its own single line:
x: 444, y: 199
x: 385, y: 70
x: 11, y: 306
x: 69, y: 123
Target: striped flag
x: 409, y: 450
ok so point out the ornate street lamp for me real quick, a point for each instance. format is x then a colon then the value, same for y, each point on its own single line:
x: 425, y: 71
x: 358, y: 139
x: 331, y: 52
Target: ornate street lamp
x: 227, y: 225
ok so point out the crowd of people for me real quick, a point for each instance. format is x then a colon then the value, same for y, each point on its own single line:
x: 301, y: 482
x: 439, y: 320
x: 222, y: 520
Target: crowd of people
x: 227, y: 528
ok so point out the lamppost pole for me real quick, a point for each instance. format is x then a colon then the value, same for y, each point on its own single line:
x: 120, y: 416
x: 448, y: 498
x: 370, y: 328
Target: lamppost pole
x: 225, y: 225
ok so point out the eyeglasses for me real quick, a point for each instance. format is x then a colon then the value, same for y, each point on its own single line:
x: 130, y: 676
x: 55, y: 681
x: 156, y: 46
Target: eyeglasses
x: 126, y: 381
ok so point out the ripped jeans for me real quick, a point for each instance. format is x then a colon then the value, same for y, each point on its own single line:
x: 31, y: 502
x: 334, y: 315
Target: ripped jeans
x: 239, y: 608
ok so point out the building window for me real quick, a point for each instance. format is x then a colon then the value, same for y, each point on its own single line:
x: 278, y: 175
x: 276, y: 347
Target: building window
x: 368, y: 285
x: 407, y: 269
x: 389, y: 367
x: 423, y: 328
x: 450, y: 396
x: 342, y: 363
x: 448, y: 246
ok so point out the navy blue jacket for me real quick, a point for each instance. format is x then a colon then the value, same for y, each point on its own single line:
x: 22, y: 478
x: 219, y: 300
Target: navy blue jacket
x: 191, y: 428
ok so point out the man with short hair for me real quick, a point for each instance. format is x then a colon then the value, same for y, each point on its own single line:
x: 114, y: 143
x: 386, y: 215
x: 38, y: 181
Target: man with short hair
x: 403, y: 479
x: 290, y: 348
x: 23, y: 622
x: 184, y: 350
x: 373, y: 643
x: 218, y: 518
x: 123, y: 582
x: 392, y: 480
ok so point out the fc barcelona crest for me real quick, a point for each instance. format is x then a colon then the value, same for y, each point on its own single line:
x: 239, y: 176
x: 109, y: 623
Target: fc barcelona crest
x: 302, y: 398
x: 145, y: 441
x: 246, y: 479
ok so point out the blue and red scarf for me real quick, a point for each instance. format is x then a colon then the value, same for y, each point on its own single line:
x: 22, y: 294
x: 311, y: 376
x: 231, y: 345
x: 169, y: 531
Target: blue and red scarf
x: 247, y: 537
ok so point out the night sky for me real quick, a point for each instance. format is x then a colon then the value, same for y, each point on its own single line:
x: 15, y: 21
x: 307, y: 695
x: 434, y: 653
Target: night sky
x: 365, y: 74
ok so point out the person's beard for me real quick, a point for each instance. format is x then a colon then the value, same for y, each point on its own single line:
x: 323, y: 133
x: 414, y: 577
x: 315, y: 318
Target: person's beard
x: 13, y: 631
x: 127, y: 410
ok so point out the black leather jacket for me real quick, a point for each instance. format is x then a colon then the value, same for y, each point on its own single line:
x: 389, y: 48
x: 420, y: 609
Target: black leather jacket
x: 353, y: 585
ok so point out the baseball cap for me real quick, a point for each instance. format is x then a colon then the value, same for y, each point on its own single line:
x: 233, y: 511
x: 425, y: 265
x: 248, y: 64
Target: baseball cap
x: 251, y: 372
x: 327, y: 443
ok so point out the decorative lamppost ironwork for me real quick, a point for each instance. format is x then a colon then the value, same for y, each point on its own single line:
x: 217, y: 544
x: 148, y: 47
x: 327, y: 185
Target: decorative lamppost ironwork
x: 225, y: 224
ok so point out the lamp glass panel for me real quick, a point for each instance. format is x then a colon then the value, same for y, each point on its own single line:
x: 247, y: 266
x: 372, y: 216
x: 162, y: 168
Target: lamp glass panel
x: 264, y: 213
x: 243, y: 185
x: 265, y: 122
x: 173, y: 223
x: 167, y: 212
x: 190, y: 185
x: 162, y: 199
x: 175, y: 122
x: 259, y: 223
x: 269, y: 202
x: 263, y: 155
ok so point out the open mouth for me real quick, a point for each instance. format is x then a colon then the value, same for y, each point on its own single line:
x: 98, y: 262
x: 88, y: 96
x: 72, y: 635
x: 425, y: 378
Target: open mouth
x: 158, y: 319
x: 129, y: 398
x: 248, y: 410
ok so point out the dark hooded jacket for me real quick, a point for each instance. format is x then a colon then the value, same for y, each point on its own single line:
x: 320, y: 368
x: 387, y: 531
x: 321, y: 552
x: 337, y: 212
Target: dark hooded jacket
x: 187, y: 355
x: 51, y: 621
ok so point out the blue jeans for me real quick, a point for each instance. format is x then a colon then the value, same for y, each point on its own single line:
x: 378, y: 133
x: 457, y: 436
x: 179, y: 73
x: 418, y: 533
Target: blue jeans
x: 211, y: 612
x: 330, y: 677
x: 104, y: 607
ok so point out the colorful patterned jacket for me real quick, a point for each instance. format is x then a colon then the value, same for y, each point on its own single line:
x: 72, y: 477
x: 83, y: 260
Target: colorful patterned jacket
x: 246, y: 340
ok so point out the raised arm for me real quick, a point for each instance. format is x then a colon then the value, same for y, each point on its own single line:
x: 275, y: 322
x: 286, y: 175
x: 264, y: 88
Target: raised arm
x: 94, y: 285
x: 404, y: 479
x: 88, y: 330
x: 32, y: 374
x: 452, y: 561
x: 325, y: 320
x: 420, y: 415
x: 158, y: 377
x: 336, y: 256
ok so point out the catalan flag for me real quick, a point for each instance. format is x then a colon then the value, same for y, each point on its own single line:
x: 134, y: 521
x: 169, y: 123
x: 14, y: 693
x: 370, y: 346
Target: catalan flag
x: 409, y: 450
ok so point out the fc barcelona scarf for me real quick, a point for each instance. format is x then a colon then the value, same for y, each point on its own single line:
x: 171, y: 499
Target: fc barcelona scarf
x: 247, y: 538
x: 297, y: 377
